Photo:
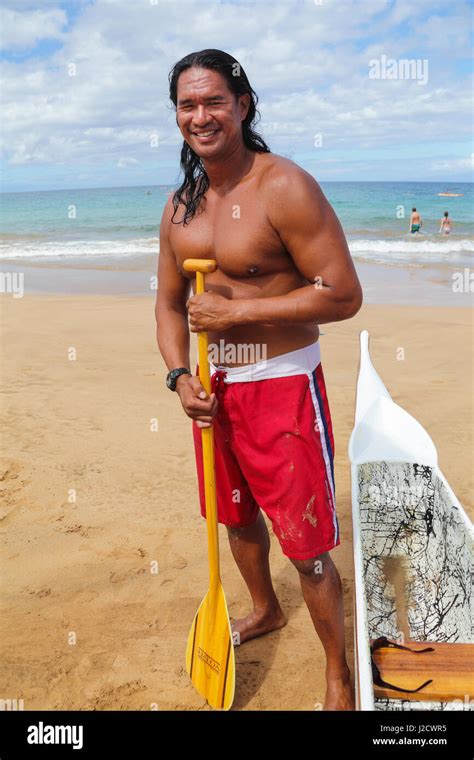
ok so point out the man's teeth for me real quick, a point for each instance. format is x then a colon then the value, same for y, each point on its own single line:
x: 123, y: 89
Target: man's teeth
x: 205, y: 134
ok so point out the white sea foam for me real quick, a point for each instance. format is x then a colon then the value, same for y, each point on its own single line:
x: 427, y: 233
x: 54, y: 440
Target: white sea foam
x: 50, y: 250
x: 395, y: 251
x: 414, y: 251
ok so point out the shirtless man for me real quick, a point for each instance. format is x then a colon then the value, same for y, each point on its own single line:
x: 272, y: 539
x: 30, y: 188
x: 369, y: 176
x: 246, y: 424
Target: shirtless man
x: 283, y: 268
x: 415, y: 221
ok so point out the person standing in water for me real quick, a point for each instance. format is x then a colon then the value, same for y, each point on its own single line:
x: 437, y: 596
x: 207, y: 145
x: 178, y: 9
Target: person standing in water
x: 415, y: 221
x: 446, y: 224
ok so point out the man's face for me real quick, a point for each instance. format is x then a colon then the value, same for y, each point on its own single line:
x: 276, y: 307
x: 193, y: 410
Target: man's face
x: 208, y: 113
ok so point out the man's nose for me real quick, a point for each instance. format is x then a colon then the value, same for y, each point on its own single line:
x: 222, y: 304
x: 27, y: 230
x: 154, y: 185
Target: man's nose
x: 201, y: 116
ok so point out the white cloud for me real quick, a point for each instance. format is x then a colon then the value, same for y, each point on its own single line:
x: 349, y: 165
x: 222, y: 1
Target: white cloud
x: 451, y: 164
x: 307, y: 63
x: 25, y: 30
x: 125, y: 161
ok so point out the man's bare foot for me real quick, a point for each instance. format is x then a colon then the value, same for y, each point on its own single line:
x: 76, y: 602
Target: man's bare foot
x: 339, y: 694
x: 256, y: 624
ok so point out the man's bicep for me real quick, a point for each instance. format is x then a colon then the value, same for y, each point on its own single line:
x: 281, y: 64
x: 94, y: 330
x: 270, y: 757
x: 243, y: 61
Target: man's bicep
x: 311, y: 232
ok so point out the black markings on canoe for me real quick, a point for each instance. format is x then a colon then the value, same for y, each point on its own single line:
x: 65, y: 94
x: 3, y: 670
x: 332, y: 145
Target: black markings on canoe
x: 428, y: 517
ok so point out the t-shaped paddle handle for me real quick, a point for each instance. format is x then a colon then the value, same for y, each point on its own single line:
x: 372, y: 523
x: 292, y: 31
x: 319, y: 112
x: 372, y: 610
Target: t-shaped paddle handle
x: 204, y: 266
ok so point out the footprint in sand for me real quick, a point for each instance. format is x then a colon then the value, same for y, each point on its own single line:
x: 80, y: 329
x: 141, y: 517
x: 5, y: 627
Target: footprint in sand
x: 40, y: 592
x: 77, y: 528
x: 179, y: 563
x: 10, y: 484
x: 118, y: 576
x: 116, y: 697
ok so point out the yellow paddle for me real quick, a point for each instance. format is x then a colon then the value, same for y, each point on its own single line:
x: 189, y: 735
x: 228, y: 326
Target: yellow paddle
x: 210, y: 658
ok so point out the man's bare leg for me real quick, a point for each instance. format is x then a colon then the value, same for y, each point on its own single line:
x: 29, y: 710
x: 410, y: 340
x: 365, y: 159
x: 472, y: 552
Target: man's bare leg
x: 250, y: 547
x: 322, y: 592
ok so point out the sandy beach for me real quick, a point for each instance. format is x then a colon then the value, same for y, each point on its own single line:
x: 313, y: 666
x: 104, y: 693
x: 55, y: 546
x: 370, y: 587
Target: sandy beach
x: 105, y: 557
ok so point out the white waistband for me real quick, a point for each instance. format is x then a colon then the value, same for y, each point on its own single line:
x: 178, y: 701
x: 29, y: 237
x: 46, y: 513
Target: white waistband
x: 303, y: 361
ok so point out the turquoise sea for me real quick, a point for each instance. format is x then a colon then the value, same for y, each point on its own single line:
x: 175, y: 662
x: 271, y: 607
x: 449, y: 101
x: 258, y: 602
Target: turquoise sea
x: 100, y: 233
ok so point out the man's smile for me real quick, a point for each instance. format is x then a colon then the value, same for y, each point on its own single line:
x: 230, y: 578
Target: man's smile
x: 205, y: 135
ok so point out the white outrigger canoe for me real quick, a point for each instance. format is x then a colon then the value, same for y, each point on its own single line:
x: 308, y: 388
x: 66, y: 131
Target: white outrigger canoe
x: 412, y: 556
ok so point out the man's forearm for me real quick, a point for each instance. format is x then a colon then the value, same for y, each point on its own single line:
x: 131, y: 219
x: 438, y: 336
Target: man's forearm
x: 311, y: 303
x: 172, y: 335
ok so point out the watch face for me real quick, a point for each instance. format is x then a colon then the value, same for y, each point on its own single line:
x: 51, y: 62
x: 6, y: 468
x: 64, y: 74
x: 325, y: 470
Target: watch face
x: 172, y: 377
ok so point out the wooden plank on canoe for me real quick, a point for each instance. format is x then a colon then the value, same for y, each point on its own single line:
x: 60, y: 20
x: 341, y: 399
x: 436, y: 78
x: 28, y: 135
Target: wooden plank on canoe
x: 451, y: 666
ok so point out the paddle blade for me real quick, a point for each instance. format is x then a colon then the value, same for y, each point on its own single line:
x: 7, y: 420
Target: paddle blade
x: 210, y: 658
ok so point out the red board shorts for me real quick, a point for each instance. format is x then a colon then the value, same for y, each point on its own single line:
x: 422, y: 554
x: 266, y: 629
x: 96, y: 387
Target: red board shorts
x: 274, y: 450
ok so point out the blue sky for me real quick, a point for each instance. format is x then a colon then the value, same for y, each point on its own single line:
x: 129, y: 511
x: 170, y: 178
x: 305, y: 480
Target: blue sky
x: 308, y: 60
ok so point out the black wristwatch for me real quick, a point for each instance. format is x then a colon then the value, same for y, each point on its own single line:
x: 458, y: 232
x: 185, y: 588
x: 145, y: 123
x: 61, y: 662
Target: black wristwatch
x: 172, y: 377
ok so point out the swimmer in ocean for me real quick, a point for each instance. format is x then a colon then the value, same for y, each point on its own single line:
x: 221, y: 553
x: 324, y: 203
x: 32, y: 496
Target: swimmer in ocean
x: 415, y: 221
x: 446, y: 224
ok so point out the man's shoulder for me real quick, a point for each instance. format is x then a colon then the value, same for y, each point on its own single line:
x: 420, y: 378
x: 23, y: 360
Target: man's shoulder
x: 280, y: 174
x: 275, y: 168
x: 281, y: 178
x: 167, y: 214
x: 170, y: 205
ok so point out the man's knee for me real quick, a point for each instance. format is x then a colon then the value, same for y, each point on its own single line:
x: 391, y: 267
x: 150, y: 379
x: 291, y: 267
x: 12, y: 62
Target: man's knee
x: 242, y: 531
x: 312, y: 568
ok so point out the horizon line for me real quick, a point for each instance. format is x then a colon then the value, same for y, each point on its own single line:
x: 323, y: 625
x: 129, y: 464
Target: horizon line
x: 167, y: 185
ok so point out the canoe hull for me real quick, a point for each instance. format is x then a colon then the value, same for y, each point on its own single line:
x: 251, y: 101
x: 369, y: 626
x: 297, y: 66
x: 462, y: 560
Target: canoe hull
x: 412, y: 539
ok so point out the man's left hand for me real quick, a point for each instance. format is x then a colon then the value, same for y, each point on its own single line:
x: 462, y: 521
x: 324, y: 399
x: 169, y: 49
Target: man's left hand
x: 210, y: 311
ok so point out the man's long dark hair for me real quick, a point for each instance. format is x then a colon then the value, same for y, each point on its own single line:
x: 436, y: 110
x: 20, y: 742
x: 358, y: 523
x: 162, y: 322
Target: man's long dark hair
x: 196, y: 181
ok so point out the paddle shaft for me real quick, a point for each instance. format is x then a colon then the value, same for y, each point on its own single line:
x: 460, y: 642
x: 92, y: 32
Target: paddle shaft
x: 208, y: 455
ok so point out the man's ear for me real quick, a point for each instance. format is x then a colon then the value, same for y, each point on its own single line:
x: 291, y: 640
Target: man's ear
x: 244, y: 105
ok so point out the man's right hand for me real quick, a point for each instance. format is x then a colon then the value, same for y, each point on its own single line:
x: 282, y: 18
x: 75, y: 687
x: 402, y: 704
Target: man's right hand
x: 196, y: 403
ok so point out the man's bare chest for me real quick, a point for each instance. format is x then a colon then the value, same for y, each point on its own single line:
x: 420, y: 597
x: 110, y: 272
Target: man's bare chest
x: 237, y: 233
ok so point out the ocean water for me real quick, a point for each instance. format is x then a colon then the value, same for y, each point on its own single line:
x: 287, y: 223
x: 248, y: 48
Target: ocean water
x: 116, y: 229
